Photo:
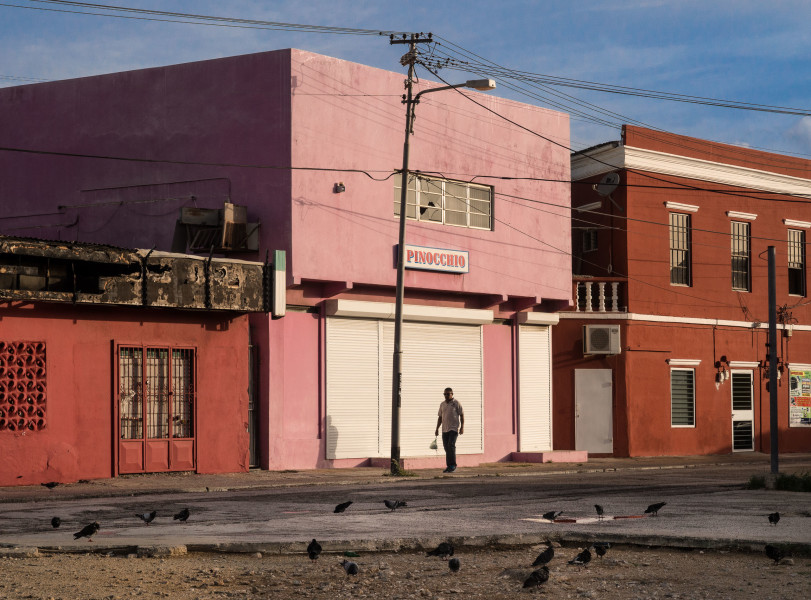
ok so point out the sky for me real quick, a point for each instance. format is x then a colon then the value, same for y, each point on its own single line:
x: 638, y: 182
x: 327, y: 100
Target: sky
x: 744, y: 51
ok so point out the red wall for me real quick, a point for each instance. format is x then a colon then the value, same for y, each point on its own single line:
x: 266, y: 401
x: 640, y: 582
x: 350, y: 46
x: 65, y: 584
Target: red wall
x: 79, y: 439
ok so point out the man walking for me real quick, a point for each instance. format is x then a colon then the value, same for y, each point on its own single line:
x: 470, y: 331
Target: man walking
x: 452, y: 420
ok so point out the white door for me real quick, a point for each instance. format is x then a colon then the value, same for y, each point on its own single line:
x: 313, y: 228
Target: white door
x: 743, y: 414
x: 593, y: 422
x: 534, y: 389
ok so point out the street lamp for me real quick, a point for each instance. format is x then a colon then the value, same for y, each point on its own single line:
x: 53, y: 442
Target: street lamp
x: 397, y: 374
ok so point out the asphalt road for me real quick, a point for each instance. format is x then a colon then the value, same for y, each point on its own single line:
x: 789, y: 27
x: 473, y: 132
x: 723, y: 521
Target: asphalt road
x: 706, y: 507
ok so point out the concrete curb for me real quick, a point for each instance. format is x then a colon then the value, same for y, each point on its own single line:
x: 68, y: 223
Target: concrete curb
x: 461, y: 543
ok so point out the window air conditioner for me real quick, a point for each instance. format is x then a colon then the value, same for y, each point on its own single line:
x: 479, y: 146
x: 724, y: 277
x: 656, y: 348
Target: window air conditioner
x: 601, y: 339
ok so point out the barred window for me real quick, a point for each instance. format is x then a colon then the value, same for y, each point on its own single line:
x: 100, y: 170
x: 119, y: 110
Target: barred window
x: 682, y: 398
x: 447, y: 202
x: 796, y: 262
x: 741, y: 278
x: 680, y: 259
x: 589, y: 240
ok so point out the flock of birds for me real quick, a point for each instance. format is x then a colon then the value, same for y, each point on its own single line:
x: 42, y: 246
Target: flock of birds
x: 445, y: 550
x: 91, y: 529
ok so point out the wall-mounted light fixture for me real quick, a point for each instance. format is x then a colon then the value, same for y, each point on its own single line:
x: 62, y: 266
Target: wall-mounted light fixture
x: 723, y: 371
x: 338, y: 188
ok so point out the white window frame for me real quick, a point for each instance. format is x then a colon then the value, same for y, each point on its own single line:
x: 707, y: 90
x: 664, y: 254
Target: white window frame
x: 741, y: 254
x: 680, y: 235
x: 693, y: 424
x: 429, y: 200
x: 797, y: 260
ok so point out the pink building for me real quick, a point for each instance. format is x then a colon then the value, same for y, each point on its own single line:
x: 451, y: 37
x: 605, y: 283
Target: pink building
x: 309, y: 146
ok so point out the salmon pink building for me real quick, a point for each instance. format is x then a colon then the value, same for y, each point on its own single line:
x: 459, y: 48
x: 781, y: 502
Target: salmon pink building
x: 665, y: 351
x: 292, y: 158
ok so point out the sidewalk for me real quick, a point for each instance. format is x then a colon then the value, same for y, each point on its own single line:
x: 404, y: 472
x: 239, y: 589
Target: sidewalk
x: 187, y: 482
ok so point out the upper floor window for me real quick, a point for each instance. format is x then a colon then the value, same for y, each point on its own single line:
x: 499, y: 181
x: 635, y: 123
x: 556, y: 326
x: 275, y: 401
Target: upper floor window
x: 680, y: 259
x: 589, y: 240
x: 796, y: 262
x: 741, y: 276
x: 448, y: 202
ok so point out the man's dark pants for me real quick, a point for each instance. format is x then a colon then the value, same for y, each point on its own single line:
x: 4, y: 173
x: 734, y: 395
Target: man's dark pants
x: 449, y: 443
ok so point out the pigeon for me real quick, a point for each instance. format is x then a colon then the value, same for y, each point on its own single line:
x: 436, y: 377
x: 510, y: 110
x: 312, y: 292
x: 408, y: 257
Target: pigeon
x: 774, y: 518
x: 601, y: 548
x: 350, y: 567
x: 182, y: 516
x: 56, y: 522
x: 147, y: 518
x: 313, y: 550
x: 552, y: 515
x: 544, y: 557
x: 87, y: 531
x: 444, y: 550
x: 599, y: 510
x: 536, y: 578
x: 454, y: 565
x: 51, y: 484
x: 394, y: 504
x: 583, y: 558
x: 655, y: 508
x: 776, y: 553
x: 342, y: 506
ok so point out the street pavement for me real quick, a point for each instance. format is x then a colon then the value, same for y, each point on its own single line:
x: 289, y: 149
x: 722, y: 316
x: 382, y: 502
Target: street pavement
x: 493, y: 504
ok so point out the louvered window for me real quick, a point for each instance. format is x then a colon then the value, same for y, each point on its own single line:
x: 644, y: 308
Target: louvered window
x: 449, y: 202
x: 740, y: 256
x: 682, y: 398
x: 796, y: 262
x: 680, y: 259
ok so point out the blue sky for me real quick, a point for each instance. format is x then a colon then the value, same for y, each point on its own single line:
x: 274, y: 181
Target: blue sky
x: 747, y: 51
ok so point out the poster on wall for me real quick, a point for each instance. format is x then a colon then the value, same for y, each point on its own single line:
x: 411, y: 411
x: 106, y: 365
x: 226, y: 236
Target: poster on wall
x: 799, y: 403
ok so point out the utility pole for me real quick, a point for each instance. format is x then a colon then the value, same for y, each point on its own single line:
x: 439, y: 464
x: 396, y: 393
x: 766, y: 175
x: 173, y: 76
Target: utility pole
x: 409, y: 58
x: 772, y: 358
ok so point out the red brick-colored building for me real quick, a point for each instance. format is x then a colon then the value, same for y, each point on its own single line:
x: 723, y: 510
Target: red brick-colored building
x: 664, y: 352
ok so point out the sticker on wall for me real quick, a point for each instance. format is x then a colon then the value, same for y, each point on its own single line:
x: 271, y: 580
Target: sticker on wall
x: 436, y: 259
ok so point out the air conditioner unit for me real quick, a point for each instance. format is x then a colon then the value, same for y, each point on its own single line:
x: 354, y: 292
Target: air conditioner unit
x: 601, y: 339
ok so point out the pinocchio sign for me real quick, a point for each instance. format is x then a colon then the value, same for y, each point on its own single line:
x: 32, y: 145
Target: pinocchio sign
x: 436, y: 259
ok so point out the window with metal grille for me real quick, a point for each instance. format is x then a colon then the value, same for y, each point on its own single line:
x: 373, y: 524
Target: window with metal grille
x: 682, y: 398
x: 796, y: 262
x: 680, y: 249
x: 589, y: 240
x: 448, y: 202
x: 23, y: 387
x: 742, y: 404
x: 740, y: 257
x: 156, y: 392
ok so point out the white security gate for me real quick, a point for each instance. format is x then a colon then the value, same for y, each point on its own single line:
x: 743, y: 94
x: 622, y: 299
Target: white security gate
x: 593, y: 421
x: 359, y: 376
x: 534, y: 389
x: 743, y: 414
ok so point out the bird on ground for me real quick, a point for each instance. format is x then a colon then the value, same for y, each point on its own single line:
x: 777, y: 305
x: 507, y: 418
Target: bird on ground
x: 776, y: 553
x: 394, y: 504
x: 182, y: 516
x: 552, y: 515
x: 350, y: 567
x: 774, y: 518
x: 600, y: 548
x: 87, y: 531
x: 444, y: 550
x: 313, y: 550
x: 51, y: 484
x: 655, y: 508
x: 545, y: 556
x: 599, y: 510
x: 342, y: 506
x: 582, y: 559
x: 147, y: 518
x: 536, y: 578
x: 56, y: 522
x: 454, y: 565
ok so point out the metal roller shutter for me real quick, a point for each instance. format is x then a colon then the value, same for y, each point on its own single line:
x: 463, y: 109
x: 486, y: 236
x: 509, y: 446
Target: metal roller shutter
x: 534, y: 389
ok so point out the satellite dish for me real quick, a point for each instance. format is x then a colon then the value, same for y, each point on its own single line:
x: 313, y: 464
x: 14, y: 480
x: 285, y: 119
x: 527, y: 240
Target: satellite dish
x: 607, y: 184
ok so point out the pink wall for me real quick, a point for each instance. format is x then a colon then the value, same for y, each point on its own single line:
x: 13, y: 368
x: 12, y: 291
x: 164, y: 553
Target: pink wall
x: 79, y: 439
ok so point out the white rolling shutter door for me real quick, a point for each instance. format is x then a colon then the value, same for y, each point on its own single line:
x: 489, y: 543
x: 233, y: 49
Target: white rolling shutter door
x: 359, y: 379
x: 352, y: 388
x: 534, y: 389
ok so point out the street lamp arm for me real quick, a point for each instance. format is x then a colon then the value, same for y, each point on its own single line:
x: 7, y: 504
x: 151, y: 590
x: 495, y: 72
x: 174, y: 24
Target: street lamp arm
x: 482, y: 85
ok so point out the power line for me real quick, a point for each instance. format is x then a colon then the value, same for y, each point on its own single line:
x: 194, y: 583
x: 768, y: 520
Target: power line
x: 197, y: 19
